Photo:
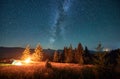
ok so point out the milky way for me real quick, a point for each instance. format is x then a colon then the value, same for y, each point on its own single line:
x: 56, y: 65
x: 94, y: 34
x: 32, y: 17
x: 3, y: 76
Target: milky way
x: 58, y: 29
x: 58, y: 23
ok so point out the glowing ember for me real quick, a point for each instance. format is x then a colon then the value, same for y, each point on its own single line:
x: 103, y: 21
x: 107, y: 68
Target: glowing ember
x: 27, y: 60
x: 15, y: 62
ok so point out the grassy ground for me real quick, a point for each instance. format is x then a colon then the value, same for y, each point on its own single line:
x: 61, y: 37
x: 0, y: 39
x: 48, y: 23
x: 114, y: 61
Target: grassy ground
x: 58, y: 71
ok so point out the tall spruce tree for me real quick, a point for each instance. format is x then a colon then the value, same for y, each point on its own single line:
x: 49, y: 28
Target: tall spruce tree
x: 26, y: 53
x: 79, y: 54
x: 99, y: 48
x: 56, y: 56
x: 69, y: 58
x: 100, y: 59
x: 118, y: 59
x: 66, y: 54
x: 62, y: 57
x: 87, y: 56
x: 38, y: 55
x: 75, y: 55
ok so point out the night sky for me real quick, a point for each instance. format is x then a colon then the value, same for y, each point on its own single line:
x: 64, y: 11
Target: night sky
x: 58, y: 23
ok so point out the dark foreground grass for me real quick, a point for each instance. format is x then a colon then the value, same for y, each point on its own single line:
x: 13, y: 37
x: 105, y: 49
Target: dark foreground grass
x: 58, y: 71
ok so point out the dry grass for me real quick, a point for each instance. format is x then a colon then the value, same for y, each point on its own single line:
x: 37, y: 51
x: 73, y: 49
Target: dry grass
x: 58, y: 71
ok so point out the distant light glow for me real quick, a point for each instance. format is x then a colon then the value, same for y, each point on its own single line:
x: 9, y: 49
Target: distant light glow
x: 106, y: 49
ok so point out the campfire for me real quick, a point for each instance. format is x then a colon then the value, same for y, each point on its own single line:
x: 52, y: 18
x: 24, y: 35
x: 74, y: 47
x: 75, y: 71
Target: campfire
x: 28, y: 58
x: 22, y: 62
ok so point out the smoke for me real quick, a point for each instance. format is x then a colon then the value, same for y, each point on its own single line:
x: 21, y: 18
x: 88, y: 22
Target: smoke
x: 58, y: 28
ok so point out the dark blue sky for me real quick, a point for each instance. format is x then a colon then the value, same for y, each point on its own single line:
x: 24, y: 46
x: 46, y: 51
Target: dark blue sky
x: 58, y: 23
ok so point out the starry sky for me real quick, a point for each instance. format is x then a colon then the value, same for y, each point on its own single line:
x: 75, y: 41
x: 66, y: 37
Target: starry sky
x: 58, y: 23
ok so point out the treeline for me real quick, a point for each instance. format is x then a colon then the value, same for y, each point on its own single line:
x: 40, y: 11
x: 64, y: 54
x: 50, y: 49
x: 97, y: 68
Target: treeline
x: 82, y: 55
x: 78, y: 55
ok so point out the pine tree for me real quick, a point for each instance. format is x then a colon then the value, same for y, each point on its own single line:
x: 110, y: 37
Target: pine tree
x: 118, y: 59
x: 66, y: 54
x: 38, y: 55
x: 87, y: 56
x: 99, y: 48
x: 69, y: 58
x: 79, y: 54
x: 26, y: 53
x: 62, y: 57
x: 75, y: 55
x: 100, y: 60
x: 56, y: 56
x: 80, y: 48
x: 86, y: 51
